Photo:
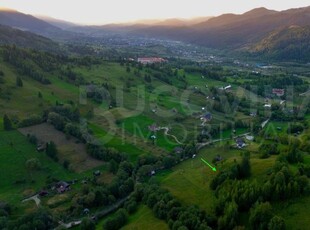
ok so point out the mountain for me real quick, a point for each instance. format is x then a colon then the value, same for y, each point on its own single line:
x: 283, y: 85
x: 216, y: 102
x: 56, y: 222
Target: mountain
x: 289, y: 43
x: 10, y: 36
x: 231, y: 31
x: 26, y: 22
x: 182, y: 22
x: 235, y: 31
x: 57, y: 22
x: 30, y: 23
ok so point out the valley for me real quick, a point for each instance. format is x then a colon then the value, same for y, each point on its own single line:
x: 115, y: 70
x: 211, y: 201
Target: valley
x: 124, y: 126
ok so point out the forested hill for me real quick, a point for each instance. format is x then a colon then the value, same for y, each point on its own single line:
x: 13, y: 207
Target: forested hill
x: 291, y: 43
x: 10, y: 36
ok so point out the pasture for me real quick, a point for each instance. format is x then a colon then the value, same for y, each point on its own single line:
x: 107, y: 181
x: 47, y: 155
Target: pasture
x: 68, y: 148
x: 111, y: 140
x: 190, y: 180
x: 143, y: 219
x: 138, y: 127
x: 16, y: 180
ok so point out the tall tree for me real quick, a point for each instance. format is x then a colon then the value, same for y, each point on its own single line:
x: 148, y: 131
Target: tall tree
x: 260, y: 216
x: 19, y: 82
x: 245, y: 167
x: 7, y: 124
x: 51, y: 151
x: 276, y: 223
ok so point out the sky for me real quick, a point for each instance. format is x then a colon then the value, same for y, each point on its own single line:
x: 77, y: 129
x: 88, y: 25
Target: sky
x: 115, y: 11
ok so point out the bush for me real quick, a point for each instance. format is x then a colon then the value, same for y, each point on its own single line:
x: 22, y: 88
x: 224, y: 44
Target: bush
x: 32, y: 120
x: 117, y: 221
x: 32, y: 139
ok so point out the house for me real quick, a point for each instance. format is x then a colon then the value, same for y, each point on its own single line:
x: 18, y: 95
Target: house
x: 86, y: 211
x: 43, y: 193
x: 62, y: 187
x: 153, y: 128
x: 267, y: 106
x: 207, y: 117
x: 240, y: 143
x: 218, y: 158
x: 178, y: 150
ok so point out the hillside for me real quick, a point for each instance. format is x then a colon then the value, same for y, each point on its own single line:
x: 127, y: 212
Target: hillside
x: 96, y: 120
x: 260, y: 30
x: 32, y: 24
x: 288, y: 43
x: 56, y: 22
x: 230, y: 30
x: 25, y: 22
x: 10, y: 36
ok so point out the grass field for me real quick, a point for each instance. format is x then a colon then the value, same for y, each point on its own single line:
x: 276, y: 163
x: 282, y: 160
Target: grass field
x: 275, y: 128
x: 144, y: 219
x: 295, y: 213
x: 138, y: 126
x: 15, y: 180
x: 189, y: 181
x: 112, y: 141
x: 68, y: 149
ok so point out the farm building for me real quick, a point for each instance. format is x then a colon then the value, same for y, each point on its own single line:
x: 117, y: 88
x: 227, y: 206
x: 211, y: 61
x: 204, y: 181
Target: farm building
x: 97, y: 173
x: 178, y: 150
x: 150, y: 60
x: 278, y: 92
x: 153, y: 128
x: 207, y: 117
x: 267, y: 106
x: 43, y: 193
x: 228, y: 87
x: 240, y: 143
x: 218, y: 158
x: 62, y: 187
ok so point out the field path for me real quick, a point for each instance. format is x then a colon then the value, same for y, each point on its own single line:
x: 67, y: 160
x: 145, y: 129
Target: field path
x: 167, y: 134
x: 35, y: 198
x: 265, y: 123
